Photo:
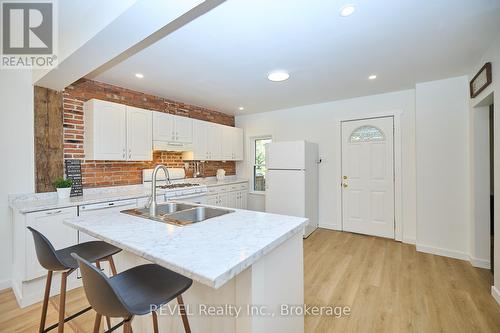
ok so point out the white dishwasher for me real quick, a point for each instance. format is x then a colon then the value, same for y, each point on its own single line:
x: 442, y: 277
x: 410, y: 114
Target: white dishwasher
x: 103, y: 208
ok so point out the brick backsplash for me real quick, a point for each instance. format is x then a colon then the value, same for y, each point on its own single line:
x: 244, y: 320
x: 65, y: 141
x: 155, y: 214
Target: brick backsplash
x: 112, y: 173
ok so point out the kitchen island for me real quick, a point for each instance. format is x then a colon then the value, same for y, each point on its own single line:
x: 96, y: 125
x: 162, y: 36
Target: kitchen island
x: 245, y: 265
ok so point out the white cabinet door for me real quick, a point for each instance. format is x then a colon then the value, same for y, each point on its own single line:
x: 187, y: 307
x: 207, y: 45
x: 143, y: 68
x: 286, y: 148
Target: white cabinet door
x: 163, y: 127
x: 200, y: 142
x: 224, y: 199
x: 183, y: 129
x: 213, y: 200
x: 243, y: 199
x: 105, y: 131
x: 214, y: 139
x: 237, y: 144
x: 50, y: 224
x: 232, y: 143
x: 232, y: 200
x: 227, y: 143
x: 139, y: 134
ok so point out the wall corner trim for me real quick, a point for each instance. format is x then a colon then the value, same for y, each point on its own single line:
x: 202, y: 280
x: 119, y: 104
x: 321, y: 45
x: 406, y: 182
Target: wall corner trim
x: 495, y: 293
x: 480, y: 263
x: 443, y: 252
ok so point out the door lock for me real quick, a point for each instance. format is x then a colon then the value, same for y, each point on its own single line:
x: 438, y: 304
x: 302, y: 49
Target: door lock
x: 345, y: 177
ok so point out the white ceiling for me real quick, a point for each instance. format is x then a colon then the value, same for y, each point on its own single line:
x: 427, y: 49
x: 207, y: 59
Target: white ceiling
x: 221, y: 60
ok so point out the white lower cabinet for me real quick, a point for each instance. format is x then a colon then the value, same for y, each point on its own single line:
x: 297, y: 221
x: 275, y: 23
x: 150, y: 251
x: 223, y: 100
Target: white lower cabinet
x: 231, y: 196
x: 50, y: 224
x: 28, y: 276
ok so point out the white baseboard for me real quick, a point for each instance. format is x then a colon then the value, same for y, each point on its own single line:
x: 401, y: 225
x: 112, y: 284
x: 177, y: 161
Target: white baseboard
x: 480, y: 263
x: 5, y: 284
x: 412, y: 241
x: 330, y: 226
x: 442, y: 252
x: 495, y: 293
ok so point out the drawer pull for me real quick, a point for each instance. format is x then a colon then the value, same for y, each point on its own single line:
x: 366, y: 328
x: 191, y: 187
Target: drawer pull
x: 55, y: 212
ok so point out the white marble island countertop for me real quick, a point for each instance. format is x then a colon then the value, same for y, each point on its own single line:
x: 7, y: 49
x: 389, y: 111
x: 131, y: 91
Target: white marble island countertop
x: 211, y: 252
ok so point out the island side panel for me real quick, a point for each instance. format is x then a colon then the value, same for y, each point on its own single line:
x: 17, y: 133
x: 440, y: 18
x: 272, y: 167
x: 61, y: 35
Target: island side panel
x: 276, y: 279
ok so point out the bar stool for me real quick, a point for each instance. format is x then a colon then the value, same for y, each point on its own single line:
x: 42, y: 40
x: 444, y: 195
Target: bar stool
x: 61, y: 260
x: 133, y: 292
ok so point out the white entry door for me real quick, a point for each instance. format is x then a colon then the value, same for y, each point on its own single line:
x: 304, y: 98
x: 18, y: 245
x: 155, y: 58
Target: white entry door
x: 368, y: 176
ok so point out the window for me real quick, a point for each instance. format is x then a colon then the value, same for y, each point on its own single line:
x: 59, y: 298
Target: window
x: 366, y: 133
x: 259, y: 169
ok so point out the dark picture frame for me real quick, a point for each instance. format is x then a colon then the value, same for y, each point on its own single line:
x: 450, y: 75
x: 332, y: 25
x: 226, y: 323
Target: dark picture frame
x: 486, y: 68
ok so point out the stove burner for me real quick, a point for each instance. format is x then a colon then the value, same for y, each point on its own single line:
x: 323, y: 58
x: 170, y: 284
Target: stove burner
x: 179, y: 185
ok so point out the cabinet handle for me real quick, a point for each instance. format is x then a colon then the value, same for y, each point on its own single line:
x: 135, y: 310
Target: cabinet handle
x: 54, y: 213
x: 124, y: 152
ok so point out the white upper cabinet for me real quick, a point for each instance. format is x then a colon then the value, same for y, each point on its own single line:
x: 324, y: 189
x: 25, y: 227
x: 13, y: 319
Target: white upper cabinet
x: 199, y: 151
x: 139, y: 134
x: 232, y: 143
x: 163, y: 127
x: 214, y: 142
x: 117, y: 132
x: 170, y: 128
x: 105, y: 130
x: 183, y: 128
x: 238, y: 144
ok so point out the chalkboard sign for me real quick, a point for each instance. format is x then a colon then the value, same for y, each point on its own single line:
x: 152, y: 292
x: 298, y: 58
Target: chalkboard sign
x: 74, y: 172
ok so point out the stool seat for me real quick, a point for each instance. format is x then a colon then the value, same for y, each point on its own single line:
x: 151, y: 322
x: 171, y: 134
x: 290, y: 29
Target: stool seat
x: 90, y: 251
x: 146, y: 285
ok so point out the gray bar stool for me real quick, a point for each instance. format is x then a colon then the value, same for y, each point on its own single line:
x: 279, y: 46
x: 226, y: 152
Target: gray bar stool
x: 61, y: 260
x: 132, y: 292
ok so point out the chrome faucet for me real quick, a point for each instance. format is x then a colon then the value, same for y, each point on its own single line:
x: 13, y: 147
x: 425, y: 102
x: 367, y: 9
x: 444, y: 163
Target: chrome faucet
x: 152, y: 201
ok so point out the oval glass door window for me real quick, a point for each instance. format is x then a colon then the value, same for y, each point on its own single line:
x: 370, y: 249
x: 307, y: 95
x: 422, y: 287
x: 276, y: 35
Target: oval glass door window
x: 366, y: 133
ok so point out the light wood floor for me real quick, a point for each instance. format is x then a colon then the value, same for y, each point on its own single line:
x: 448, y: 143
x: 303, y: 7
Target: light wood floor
x: 388, y: 286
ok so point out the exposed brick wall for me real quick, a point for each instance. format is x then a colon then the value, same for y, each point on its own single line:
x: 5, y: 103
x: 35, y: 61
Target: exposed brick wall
x: 112, y: 173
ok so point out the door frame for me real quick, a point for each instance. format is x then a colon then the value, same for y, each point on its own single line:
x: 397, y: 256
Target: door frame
x: 398, y: 204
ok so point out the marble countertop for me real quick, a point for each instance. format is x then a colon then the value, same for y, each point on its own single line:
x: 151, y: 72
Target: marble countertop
x: 27, y: 203
x: 212, y: 181
x: 34, y: 202
x: 211, y: 252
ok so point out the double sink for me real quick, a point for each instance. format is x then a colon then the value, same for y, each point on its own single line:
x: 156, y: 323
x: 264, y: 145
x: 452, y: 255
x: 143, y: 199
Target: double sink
x: 179, y: 213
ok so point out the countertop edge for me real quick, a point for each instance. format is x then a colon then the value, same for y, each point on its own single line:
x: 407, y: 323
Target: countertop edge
x: 212, y: 283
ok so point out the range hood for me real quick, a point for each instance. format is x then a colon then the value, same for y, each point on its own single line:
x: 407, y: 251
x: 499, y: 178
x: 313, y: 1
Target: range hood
x: 171, y: 146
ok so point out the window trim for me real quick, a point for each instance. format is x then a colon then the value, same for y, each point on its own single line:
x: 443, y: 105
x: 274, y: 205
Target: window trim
x: 253, y: 165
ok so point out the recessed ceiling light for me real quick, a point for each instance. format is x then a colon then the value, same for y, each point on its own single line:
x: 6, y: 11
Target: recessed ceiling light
x: 347, y: 10
x: 139, y: 75
x: 372, y: 77
x: 278, y: 76
x: 241, y: 108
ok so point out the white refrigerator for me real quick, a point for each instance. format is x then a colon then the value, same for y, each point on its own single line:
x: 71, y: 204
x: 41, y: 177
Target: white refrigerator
x: 292, y: 180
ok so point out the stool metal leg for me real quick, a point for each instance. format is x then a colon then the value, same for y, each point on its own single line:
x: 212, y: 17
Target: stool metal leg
x: 45, y: 302
x: 62, y: 302
x: 97, y: 323
x: 185, y: 321
x: 155, y: 322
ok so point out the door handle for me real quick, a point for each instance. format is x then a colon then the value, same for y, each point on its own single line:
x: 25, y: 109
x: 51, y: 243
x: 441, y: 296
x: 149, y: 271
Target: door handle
x: 344, y: 185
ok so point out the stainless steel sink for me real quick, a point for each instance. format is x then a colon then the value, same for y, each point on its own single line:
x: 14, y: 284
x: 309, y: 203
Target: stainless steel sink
x: 198, y: 214
x: 179, y: 213
x: 172, y: 207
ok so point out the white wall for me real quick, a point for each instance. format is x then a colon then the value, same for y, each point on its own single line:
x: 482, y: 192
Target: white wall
x: 17, y: 173
x: 319, y: 123
x: 442, y: 167
x: 493, y: 55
